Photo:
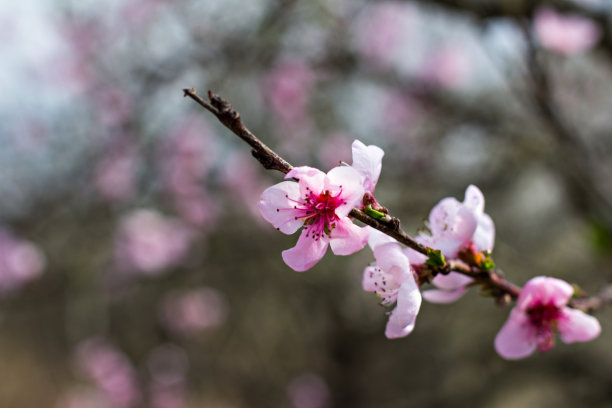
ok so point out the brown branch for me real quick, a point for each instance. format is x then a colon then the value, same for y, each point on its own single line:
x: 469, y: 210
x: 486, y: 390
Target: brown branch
x: 490, y: 280
x: 595, y: 302
x: 231, y: 119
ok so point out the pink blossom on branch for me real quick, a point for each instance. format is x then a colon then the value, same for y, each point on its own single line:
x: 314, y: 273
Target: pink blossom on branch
x: 458, y: 227
x: 320, y: 203
x: 393, y: 280
x: 541, y: 310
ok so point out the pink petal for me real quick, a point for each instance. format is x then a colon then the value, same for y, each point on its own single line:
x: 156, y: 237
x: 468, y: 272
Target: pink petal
x: 369, y: 277
x: 484, y: 236
x: 440, y: 215
x: 348, y: 238
x: 378, y: 238
x: 474, y: 200
x: 392, y: 260
x: 516, y: 339
x: 352, y: 188
x: 309, y: 177
x: 402, y: 319
x: 367, y: 160
x: 306, y: 253
x: 276, y: 206
x: 451, y: 281
x: 452, y: 225
x: 414, y: 257
x: 443, y: 296
x: 578, y: 326
x: 545, y: 290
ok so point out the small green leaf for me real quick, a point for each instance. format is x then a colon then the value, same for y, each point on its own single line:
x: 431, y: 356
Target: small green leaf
x: 435, y: 257
x: 375, y: 214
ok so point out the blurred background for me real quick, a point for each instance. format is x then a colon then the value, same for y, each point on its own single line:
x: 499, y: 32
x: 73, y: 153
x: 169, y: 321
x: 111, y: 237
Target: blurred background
x: 135, y: 270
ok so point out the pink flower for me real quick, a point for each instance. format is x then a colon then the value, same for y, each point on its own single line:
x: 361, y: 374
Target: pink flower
x: 457, y: 227
x: 565, y: 34
x: 309, y: 390
x: 393, y: 280
x: 287, y: 87
x: 20, y: 261
x: 540, y: 311
x: 111, y: 371
x: 115, y: 174
x: 447, y: 67
x: 321, y: 203
x: 187, y: 313
x: 147, y: 242
x: 367, y: 160
x: 381, y: 31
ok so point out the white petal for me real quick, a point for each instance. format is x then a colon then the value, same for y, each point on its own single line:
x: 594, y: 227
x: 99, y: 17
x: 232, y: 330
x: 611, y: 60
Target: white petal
x: 474, y: 199
x: 443, y: 296
x: 402, y: 319
x: 378, y: 238
x: 392, y: 260
x: 484, y: 236
x: 451, y: 281
x: 368, y: 161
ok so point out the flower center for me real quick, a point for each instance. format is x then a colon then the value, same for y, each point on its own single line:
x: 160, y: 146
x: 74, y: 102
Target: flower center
x: 544, y: 318
x: 318, y: 211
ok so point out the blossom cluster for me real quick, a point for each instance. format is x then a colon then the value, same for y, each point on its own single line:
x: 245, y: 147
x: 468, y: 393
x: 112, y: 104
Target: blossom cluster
x: 320, y: 204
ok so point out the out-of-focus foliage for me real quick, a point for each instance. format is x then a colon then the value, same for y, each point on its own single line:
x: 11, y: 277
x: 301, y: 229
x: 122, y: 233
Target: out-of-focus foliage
x: 135, y: 270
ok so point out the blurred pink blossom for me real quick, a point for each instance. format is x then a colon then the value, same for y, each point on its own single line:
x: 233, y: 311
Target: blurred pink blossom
x: 186, y: 157
x: 381, y: 31
x: 187, y: 154
x: 187, y: 313
x: 84, y: 397
x: 309, y: 390
x: 115, y: 174
x: 287, y: 87
x: 399, y: 114
x: 242, y: 180
x: 113, y: 106
x: 138, y: 13
x: 73, y: 68
x: 111, y: 371
x: 148, y: 242
x: 334, y: 150
x: 565, y: 34
x: 168, y: 367
x: 20, y: 261
x: 447, y: 67
x: 541, y: 310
